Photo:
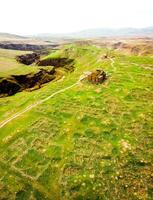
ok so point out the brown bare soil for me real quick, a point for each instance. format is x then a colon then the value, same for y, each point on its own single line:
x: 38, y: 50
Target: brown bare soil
x: 130, y: 46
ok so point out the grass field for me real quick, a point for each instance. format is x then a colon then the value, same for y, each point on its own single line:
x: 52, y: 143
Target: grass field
x: 91, y: 142
x: 9, y: 65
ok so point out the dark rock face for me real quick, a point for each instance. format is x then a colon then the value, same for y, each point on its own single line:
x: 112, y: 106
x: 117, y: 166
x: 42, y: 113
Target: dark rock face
x: 23, y: 47
x: 58, y: 62
x: 28, y: 59
x: 97, y: 77
x: 17, y: 83
x: 8, y: 87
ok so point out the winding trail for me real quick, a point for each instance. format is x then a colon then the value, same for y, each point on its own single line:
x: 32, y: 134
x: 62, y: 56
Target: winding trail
x: 3, y: 123
x: 149, y: 68
x: 112, y: 64
x: 14, y: 116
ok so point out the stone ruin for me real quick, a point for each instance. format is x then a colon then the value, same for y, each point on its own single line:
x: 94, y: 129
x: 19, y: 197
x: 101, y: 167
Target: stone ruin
x: 96, y: 77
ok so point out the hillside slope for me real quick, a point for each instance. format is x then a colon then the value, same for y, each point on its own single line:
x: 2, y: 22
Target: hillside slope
x: 8, y: 36
x: 88, y: 142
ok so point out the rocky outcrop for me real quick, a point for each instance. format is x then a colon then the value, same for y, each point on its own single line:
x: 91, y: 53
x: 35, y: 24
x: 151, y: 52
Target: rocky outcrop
x: 24, y: 47
x: 17, y: 83
x: 28, y: 59
x: 8, y: 87
x: 56, y: 62
x: 66, y: 63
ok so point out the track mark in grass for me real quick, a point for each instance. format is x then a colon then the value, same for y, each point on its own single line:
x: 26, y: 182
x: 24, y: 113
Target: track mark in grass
x: 18, y: 114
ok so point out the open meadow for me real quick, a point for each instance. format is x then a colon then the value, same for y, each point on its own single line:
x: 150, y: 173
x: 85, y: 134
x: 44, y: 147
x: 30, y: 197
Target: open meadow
x: 86, y: 142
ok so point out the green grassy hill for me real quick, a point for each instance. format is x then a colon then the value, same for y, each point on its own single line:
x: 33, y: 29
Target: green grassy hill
x: 89, y: 142
x: 9, y: 65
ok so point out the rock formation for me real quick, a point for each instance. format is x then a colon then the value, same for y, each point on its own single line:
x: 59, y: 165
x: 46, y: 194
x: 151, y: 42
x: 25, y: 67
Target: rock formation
x: 97, y: 77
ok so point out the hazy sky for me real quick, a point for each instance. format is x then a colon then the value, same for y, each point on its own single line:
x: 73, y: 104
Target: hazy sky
x: 61, y: 16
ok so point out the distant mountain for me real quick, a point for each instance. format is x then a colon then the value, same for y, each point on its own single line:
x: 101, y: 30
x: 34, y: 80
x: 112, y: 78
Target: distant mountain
x: 89, y: 33
x: 8, y: 36
x: 100, y: 32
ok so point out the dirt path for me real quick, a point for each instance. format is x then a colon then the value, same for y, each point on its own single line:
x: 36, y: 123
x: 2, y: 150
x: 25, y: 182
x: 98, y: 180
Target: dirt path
x: 112, y: 64
x: 149, y: 68
x: 3, y: 123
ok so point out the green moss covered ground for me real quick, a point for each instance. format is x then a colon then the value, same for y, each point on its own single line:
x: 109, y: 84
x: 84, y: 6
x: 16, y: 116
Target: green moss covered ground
x: 90, y: 142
